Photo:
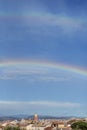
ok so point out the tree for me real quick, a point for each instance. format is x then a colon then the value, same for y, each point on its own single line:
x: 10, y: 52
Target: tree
x: 12, y: 128
x: 80, y: 125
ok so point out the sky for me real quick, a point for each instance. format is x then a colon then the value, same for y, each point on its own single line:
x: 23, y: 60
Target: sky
x: 43, y: 57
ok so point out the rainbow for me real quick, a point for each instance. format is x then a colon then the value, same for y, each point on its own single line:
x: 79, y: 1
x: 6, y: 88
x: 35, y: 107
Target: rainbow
x: 46, y: 64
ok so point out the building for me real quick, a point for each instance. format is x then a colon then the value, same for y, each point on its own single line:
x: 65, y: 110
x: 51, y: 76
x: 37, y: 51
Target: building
x: 35, y: 117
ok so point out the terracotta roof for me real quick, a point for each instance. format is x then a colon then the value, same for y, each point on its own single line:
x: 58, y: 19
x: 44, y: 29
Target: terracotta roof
x: 48, y: 128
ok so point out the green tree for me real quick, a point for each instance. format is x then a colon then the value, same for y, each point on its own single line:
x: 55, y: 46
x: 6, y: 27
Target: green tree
x: 80, y: 125
x: 12, y: 128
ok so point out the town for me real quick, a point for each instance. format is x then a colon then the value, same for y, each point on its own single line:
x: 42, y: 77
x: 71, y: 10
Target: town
x: 39, y: 124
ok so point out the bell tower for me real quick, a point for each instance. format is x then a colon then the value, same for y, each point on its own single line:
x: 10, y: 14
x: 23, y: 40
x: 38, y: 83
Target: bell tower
x: 35, y: 117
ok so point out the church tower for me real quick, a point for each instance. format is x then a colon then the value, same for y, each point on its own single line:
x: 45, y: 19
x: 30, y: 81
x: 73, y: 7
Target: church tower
x: 35, y: 117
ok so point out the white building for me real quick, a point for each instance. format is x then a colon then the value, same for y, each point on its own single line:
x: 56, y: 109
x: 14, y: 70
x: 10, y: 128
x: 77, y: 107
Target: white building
x: 33, y: 127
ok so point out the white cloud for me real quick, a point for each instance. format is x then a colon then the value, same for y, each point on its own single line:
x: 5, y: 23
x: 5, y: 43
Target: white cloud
x: 39, y: 74
x: 28, y: 77
x: 30, y: 107
x: 45, y: 22
x: 55, y: 104
x: 32, y: 74
x: 53, y: 78
x: 40, y: 19
x: 20, y: 105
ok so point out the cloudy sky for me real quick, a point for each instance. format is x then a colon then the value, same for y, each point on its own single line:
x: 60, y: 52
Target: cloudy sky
x: 43, y: 57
